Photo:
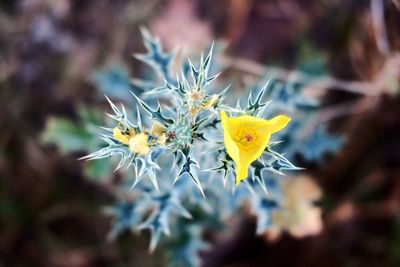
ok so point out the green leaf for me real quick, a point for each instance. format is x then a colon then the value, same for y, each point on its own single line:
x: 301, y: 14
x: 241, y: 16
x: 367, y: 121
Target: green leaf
x: 67, y: 135
x: 98, y: 169
x: 90, y: 115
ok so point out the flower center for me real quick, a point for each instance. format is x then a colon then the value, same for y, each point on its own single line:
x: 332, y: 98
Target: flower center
x: 246, y: 138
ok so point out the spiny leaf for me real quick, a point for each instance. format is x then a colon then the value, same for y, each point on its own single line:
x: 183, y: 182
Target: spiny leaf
x: 186, y: 169
x: 155, y: 56
x: 255, y: 107
x: 155, y: 114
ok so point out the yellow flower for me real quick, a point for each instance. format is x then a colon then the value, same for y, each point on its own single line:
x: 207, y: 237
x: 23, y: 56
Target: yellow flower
x: 246, y: 138
x: 123, y: 137
x: 138, y: 144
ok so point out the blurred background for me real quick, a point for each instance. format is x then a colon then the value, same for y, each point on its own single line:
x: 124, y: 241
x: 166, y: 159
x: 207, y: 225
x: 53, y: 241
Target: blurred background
x: 51, y: 54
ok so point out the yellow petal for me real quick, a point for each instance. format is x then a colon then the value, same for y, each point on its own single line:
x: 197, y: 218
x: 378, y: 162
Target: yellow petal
x: 231, y: 147
x: 242, y: 167
x: 277, y: 123
x: 119, y: 136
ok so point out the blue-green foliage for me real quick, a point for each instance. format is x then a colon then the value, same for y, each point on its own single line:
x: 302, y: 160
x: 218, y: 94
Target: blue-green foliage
x: 113, y: 81
x: 310, y: 143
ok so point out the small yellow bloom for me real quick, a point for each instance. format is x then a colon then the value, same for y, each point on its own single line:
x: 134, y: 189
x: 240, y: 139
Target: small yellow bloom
x: 123, y: 137
x: 157, y: 129
x: 138, y: 144
x: 246, y: 138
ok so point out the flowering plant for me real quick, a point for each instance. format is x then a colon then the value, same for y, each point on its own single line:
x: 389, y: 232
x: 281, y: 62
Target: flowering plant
x: 167, y: 145
x: 187, y: 161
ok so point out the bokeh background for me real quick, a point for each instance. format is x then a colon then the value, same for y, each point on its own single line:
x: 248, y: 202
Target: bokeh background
x: 50, y: 203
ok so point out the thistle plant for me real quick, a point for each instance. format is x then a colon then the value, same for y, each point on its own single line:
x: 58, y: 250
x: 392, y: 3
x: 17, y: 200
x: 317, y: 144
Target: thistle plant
x: 192, y: 160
